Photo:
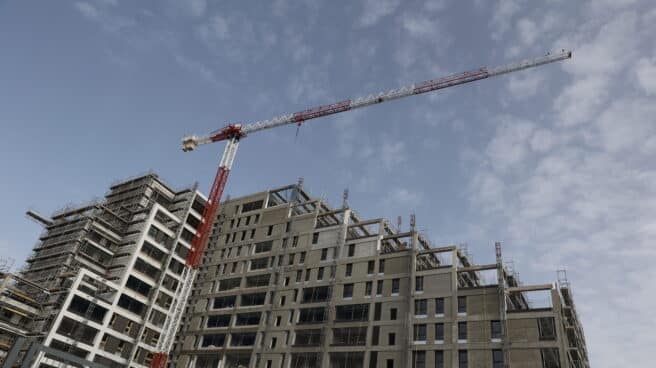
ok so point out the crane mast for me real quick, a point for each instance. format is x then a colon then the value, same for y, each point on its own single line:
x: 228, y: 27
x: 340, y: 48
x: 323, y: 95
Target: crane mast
x: 232, y: 133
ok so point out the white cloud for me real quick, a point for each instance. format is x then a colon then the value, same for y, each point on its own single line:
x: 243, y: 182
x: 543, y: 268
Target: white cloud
x: 88, y: 10
x: 509, y: 147
x: 375, y: 10
x: 502, y: 16
x: 627, y: 125
x: 419, y: 25
x: 217, y: 27
x: 528, y: 31
x: 196, y: 67
x: 404, y: 197
x: 645, y: 72
x: 524, y: 85
x: 542, y: 140
x: 392, y: 153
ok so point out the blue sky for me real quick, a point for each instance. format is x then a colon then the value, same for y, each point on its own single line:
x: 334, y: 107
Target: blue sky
x: 556, y: 162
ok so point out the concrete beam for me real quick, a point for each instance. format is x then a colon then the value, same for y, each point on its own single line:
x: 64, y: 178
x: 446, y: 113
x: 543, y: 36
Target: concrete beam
x: 478, y: 268
x: 521, y: 289
x: 449, y: 248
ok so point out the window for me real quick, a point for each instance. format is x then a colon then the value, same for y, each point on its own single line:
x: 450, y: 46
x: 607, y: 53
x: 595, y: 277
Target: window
x: 370, y: 267
x: 302, y: 259
x: 252, y: 206
x: 307, y: 274
x: 131, y: 304
x: 462, y: 359
x: 373, y: 359
x: 462, y: 330
x: 259, y: 264
x: 299, y: 276
x: 282, y: 300
x: 270, y: 230
x: 229, y: 284
x: 421, y: 307
x: 324, y: 254
x: 315, y: 238
x: 390, y: 363
x: 218, y: 321
x: 420, y: 333
x: 391, y: 339
x: 550, y: 358
x: 290, y: 260
x: 213, y: 340
x: 419, y: 359
x: 367, y: 288
x: 269, y: 364
x: 224, y: 302
x: 138, y: 286
x: 419, y: 283
x: 393, y: 312
x: 462, y: 304
x: 278, y: 321
x: 248, y: 319
x: 294, y: 241
x: 320, y: 273
x: 381, y: 266
x: 377, y: 311
x: 273, y: 342
x: 252, y: 299
x: 439, y: 332
x: 252, y: 234
x: 439, y: 359
x: 374, y: 335
x: 439, y: 306
x: 351, y: 250
x: 497, y: 359
x: 348, y: 291
x: 396, y: 286
x: 379, y: 287
x: 353, y: 312
x: 547, y: 328
x: 349, y: 270
x: 495, y: 329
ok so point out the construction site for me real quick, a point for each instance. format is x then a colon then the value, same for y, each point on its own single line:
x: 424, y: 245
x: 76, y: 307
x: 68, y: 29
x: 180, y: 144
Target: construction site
x: 152, y: 276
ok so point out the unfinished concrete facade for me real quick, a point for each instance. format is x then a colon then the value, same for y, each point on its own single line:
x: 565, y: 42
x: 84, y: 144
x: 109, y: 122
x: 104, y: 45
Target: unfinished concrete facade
x: 111, y: 270
x: 288, y: 282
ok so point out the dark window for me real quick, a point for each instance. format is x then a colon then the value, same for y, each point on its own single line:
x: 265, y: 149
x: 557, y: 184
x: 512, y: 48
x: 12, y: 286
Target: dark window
x: 390, y: 363
x: 439, y: 359
x: 348, y: 291
x: 224, y: 302
x: 315, y: 294
x: 299, y: 276
x: 547, y: 328
x: 381, y: 266
x: 377, y: 311
x: 218, y: 321
x: 421, y: 307
x: 462, y: 304
x: 290, y: 260
x: 324, y: 254
x: 349, y: 270
x: 307, y: 274
x: 419, y: 283
x: 439, y: 331
x: 252, y: 206
x: 462, y: 330
x: 373, y: 359
x: 495, y: 329
x: 307, y: 338
x: 253, y: 299
x: 396, y: 286
x: 353, y: 312
x: 229, y: 284
x: 375, y: 333
x: 294, y: 241
x: 160, y: 236
x: 259, y: 264
x: 248, y: 319
x: 393, y: 312
x: 258, y: 281
x: 550, y: 358
x: 152, y: 251
x: 131, y: 304
x: 439, y: 305
x: 242, y: 339
x: 497, y: 359
x: 288, y: 227
x: 320, y: 273
x: 351, y: 250
x: 270, y: 230
x: 302, y: 258
x: 420, y: 332
x: 315, y: 238
x: 419, y: 359
x: 367, y: 288
x: 311, y: 315
x: 85, y: 308
x: 391, y: 339
x: 463, y: 359
x: 370, y: 267
x: 379, y: 287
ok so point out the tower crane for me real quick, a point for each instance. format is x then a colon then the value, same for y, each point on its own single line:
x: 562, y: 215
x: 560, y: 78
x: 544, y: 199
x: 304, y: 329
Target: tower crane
x: 233, y: 133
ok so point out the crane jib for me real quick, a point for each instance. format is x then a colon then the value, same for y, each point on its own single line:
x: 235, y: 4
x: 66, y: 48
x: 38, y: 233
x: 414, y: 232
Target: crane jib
x: 301, y: 116
x: 451, y: 80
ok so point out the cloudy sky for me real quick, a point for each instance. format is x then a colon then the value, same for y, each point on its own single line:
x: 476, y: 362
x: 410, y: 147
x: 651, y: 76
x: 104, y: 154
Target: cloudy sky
x: 555, y: 162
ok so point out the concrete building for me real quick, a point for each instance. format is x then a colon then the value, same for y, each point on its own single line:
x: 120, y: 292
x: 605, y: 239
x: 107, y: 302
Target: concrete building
x: 288, y: 282
x: 111, y: 270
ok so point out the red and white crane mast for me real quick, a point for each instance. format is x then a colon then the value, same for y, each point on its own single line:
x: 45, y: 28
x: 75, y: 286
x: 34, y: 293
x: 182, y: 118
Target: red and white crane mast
x: 232, y: 133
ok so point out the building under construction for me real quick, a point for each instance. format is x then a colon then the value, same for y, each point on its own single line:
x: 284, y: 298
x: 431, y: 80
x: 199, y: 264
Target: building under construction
x: 286, y: 282
x: 289, y: 282
x: 100, y: 282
